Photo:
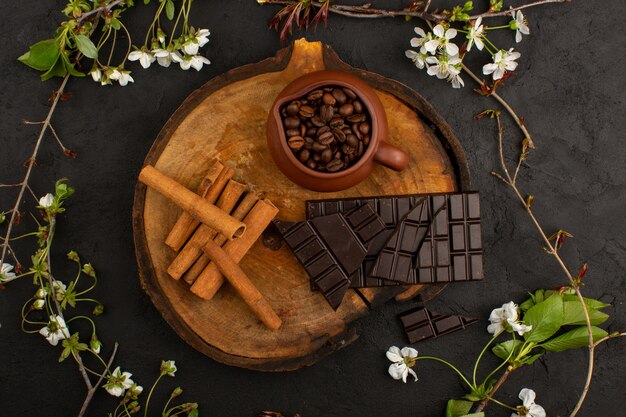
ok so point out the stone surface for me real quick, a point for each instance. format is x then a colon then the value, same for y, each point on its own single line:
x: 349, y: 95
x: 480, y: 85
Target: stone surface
x: 571, y: 100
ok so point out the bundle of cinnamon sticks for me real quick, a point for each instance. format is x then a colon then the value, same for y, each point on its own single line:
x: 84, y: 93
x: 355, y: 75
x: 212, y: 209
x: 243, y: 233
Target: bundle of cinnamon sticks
x: 219, y: 224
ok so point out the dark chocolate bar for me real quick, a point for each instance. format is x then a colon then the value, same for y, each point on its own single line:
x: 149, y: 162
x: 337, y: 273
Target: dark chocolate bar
x: 332, y: 247
x: 391, y: 211
x: 422, y: 324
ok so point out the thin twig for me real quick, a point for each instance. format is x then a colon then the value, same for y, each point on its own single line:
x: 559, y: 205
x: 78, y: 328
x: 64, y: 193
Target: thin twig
x: 20, y: 195
x: 496, y: 387
x: 93, y: 390
x: 100, y: 9
x: 58, y: 139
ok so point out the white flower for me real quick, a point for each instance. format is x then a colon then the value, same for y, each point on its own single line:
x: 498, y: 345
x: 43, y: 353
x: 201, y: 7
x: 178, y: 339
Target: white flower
x: 121, y: 76
x: 202, y: 36
x: 502, y: 61
x: 135, y: 390
x: 41, y: 293
x: 191, y: 47
x: 529, y: 408
x: 46, y: 201
x: 55, y: 330
x: 475, y: 35
x: 442, y: 40
x: 423, y: 38
x: 96, y: 74
x: 418, y: 58
x: 193, y: 44
x: 165, y: 57
x: 39, y: 304
x: 499, y: 317
x: 520, y: 25
x: 168, y: 368
x: 403, y: 360
x: 118, y: 382
x: 144, y: 57
x: 456, y: 80
x: 443, y: 66
x: 193, y: 61
x: 6, y: 274
x: 59, y: 289
x: 95, y: 344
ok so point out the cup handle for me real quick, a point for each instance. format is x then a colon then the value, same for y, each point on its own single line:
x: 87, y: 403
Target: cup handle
x: 391, y: 157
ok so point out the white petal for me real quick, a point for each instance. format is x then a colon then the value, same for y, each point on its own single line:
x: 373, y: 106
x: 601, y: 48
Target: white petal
x: 434, y: 70
x: 510, y: 310
x: 135, y: 55
x: 161, y: 53
x: 432, y: 60
x: 431, y: 45
x: 415, y: 42
x: 479, y: 44
x: 452, y: 49
x: 527, y: 396
x: 191, y: 48
x: 450, y: 33
x: 411, y: 54
x: 409, y: 352
x: 518, y: 36
x: 164, y: 61
x: 394, y: 355
x: 412, y: 372
x: 176, y: 57
x: 524, y: 29
x: 202, y: 41
x: 536, y: 411
x: 396, y: 370
x: 420, y: 32
x: 498, y: 73
x: 493, y: 328
x: 438, y: 31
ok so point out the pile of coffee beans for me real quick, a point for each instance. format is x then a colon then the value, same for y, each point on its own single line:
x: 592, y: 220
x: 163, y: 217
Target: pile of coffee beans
x: 328, y: 129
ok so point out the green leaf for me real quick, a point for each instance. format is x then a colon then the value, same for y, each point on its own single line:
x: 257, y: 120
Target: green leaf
x: 69, y: 67
x: 546, y: 318
x: 472, y: 397
x: 591, y: 303
x: 573, y: 313
x: 42, y: 56
x: 169, y: 9
x: 481, y: 414
x: 503, y: 350
x: 193, y: 413
x: 529, y: 360
x: 57, y: 70
x: 86, y: 46
x: 574, y: 339
x: 457, y: 408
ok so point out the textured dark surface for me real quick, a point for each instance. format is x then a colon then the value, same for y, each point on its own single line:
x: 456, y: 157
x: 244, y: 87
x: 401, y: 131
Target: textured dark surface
x: 570, y: 91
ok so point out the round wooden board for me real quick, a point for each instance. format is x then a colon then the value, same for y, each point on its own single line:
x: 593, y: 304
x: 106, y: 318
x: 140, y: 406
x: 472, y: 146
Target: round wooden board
x: 225, y: 119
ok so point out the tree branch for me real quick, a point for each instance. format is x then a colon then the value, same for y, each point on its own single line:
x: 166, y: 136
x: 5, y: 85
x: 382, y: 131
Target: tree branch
x: 92, y: 391
x: 97, y: 10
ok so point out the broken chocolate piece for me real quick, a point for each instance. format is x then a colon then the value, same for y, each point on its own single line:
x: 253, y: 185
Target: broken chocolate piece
x: 421, y: 324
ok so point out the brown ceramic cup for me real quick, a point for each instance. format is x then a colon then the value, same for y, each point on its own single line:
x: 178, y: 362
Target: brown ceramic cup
x: 378, y: 150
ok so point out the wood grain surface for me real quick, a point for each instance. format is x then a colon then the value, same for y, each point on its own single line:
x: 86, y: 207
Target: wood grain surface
x: 226, y: 119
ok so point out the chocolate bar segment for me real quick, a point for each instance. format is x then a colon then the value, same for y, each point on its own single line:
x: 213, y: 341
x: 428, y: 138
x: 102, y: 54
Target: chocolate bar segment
x: 422, y: 324
x: 391, y: 211
x: 332, y: 247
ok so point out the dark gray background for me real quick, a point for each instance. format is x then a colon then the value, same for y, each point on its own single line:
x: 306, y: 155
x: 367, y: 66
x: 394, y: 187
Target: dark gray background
x: 570, y: 91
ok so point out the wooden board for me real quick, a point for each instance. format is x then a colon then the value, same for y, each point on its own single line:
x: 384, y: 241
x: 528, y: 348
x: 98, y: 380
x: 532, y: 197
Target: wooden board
x: 226, y: 119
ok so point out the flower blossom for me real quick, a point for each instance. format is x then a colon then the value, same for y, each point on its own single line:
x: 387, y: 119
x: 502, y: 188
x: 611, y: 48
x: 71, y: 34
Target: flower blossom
x: 165, y: 57
x: 502, y: 61
x: 529, y: 408
x: 168, y: 368
x: 196, y: 41
x: 118, y: 382
x: 441, y: 40
x: 96, y: 74
x: 144, y: 57
x: 6, y: 274
x: 507, y: 314
x: 46, y: 201
x: 193, y: 61
x: 59, y: 289
x: 55, y: 330
x: 121, y: 76
x: 403, y: 360
x: 520, y: 25
x: 443, y: 66
x: 475, y: 35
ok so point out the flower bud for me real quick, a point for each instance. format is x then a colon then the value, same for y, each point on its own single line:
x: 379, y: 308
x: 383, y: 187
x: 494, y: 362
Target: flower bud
x: 161, y: 35
x: 41, y: 293
x: 97, y: 310
x: 73, y: 256
x: 177, y: 391
x: 135, y: 390
x: 39, y: 304
x: 95, y: 344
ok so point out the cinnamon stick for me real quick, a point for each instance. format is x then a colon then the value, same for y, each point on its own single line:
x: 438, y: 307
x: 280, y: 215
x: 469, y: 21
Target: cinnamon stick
x: 240, y: 212
x: 193, y: 249
x: 189, y: 201
x: 209, y: 188
x: 242, y: 284
x: 211, y: 279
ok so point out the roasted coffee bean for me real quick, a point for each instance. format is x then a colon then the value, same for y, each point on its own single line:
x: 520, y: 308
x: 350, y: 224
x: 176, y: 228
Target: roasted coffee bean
x: 346, y: 109
x: 316, y: 157
x: 308, y: 142
x: 326, y: 112
x: 329, y: 99
x: 347, y: 130
x: 311, y: 131
x: 360, y: 149
x: 317, y: 121
x: 328, y: 89
x: 296, y: 142
x: 339, y: 135
x: 335, y: 165
x: 358, y: 107
x: 352, y: 157
x: 337, y: 155
x: 349, y: 93
x: 356, y: 131
x: 326, y: 138
x: 303, y: 130
x: 311, y: 164
x: 293, y: 132
x: 319, y: 147
x: 355, y: 118
x: 315, y: 95
x: 292, y: 122
x: 304, y: 155
x: 308, y: 123
x: 306, y: 111
x: 293, y: 107
x: 364, y: 128
x: 347, y: 149
x: 339, y: 95
x: 326, y: 156
x: 323, y: 130
x: 366, y: 140
x: 352, y: 140
x: 336, y: 122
